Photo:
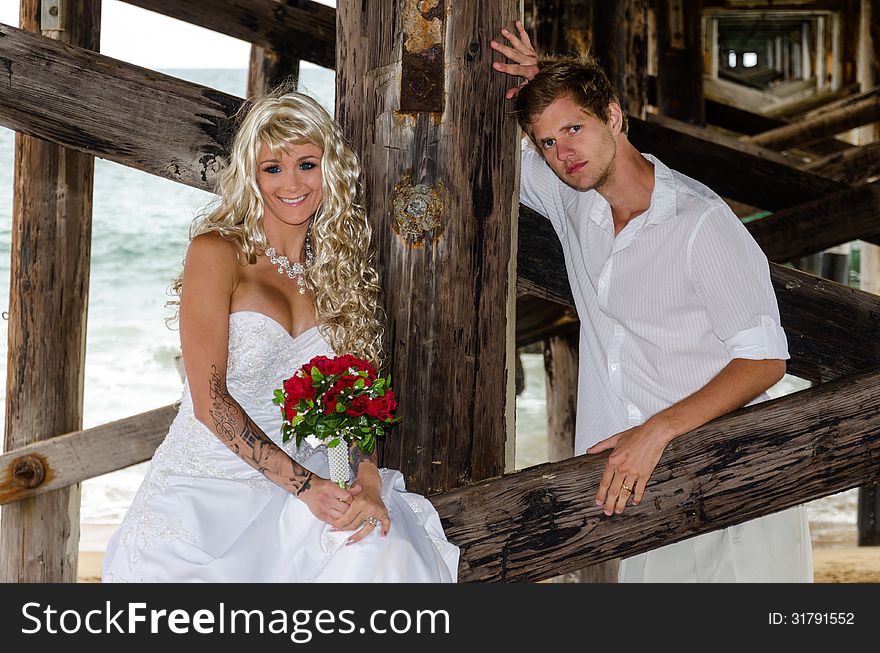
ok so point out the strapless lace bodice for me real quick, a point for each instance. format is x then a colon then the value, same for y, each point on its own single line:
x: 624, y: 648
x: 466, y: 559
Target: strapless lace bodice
x: 262, y: 354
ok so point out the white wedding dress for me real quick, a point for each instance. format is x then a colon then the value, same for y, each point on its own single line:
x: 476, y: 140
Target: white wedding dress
x: 204, y: 515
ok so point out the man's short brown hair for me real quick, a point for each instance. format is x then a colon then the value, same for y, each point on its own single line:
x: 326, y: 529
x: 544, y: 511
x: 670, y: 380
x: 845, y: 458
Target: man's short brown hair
x: 581, y: 78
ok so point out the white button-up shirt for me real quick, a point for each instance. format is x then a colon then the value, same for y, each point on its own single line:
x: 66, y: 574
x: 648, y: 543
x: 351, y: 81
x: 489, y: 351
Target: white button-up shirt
x: 665, y: 305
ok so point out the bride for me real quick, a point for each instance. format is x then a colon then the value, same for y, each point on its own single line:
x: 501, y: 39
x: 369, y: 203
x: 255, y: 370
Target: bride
x: 276, y: 274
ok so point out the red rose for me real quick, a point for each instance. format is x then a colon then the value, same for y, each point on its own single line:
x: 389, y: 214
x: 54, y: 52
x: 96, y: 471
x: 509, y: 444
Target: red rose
x: 359, y: 406
x: 341, y: 365
x: 299, y: 387
x: 330, y: 397
x: 289, y: 411
x: 346, y: 381
x: 325, y: 365
x: 382, y: 407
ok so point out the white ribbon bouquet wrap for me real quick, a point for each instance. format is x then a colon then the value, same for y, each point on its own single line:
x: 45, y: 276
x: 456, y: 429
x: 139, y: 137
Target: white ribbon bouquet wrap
x: 338, y: 457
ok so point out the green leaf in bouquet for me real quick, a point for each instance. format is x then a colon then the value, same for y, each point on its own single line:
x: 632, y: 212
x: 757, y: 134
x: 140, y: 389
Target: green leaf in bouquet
x: 279, y: 397
x: 378, y: 387
x: 340, y: 407
x: 296, y: 420
x: 359, y: 384
x: 333, y: 442
x: 317, y: 377
x: 367, y: 444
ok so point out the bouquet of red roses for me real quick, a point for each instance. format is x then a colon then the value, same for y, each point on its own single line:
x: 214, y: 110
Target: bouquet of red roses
x: 340, y: 400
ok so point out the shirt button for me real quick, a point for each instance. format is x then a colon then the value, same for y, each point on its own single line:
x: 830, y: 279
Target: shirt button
x: 613, y: 368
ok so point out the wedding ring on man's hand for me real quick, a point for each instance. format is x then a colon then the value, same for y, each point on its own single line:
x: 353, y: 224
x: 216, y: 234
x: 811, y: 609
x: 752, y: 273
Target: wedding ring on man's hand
x: 624, y: 486
x: 372, y: 521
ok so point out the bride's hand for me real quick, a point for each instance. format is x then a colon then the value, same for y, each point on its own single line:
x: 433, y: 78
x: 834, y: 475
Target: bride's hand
x: 326, y: 500
x: 365, y: 512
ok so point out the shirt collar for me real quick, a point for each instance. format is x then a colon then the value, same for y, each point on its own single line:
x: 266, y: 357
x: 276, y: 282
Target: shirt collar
x: 663, y: 204
x: 662, y: 207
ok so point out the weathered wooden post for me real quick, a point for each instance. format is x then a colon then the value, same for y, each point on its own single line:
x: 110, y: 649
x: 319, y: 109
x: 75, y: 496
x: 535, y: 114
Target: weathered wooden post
x: 620, y: 43
x: 418, y: 98
x: 561, y: 368
x: 869, y: 76
x: 51, y: 240
x: 268, y: 68
x: 680, y: 60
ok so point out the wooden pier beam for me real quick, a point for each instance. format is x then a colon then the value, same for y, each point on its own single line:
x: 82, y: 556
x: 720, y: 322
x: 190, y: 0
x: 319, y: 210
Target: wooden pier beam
x: 814, y: 226
x: 66, y: 459
x: 852, y: 166
x: 851, y: 112
x: 49, y: 284
x: 303, y: 29
x: 418, y: 99
x: 136, y: 117
x: 741, y: 171
x: 268, y: 68
x: 755, y: 461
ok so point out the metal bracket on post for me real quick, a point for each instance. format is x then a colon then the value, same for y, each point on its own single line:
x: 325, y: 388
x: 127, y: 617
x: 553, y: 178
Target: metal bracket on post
x: 53, y: 17
x: 422, y: 75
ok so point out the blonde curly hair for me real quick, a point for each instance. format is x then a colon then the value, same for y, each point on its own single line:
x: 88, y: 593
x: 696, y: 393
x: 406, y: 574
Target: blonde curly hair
x: 344, y: 283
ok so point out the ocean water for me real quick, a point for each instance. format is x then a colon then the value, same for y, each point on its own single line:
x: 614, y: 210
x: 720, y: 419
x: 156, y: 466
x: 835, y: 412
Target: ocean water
x: 140, y: 234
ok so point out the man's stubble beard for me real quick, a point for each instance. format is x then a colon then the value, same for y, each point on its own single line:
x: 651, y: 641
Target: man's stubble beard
x: 604, y: 176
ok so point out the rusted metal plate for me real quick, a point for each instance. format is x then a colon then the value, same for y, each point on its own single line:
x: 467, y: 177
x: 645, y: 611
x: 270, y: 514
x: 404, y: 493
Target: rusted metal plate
x: 422, y: 74
x: 416, y: 209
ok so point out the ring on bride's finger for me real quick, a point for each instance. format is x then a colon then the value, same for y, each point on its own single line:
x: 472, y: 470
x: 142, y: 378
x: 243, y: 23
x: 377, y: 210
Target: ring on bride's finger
x: 372, y: 521
x: 624, y: 486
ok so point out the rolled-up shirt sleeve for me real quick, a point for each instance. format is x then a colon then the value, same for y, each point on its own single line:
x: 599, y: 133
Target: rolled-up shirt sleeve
x: 731, y: 277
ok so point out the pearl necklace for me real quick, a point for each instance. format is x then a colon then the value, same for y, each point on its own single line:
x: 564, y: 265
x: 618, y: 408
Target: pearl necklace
x: 293, y: 270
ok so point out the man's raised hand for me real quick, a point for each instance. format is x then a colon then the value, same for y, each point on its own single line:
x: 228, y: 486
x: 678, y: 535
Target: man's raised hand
x: 521, y: 53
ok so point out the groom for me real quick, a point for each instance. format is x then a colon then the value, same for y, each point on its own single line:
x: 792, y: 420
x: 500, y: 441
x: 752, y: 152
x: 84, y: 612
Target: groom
x: 679, y: 322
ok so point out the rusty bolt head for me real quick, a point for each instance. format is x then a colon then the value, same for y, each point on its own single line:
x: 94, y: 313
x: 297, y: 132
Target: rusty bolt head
x: 28, y: 471
x: 416, y: 208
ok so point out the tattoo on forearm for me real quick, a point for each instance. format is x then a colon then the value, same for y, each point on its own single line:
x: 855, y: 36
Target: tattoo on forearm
x: 306, y: 484
x: 356, y: 456
x: 251, y: 444
x: 223, y: 412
